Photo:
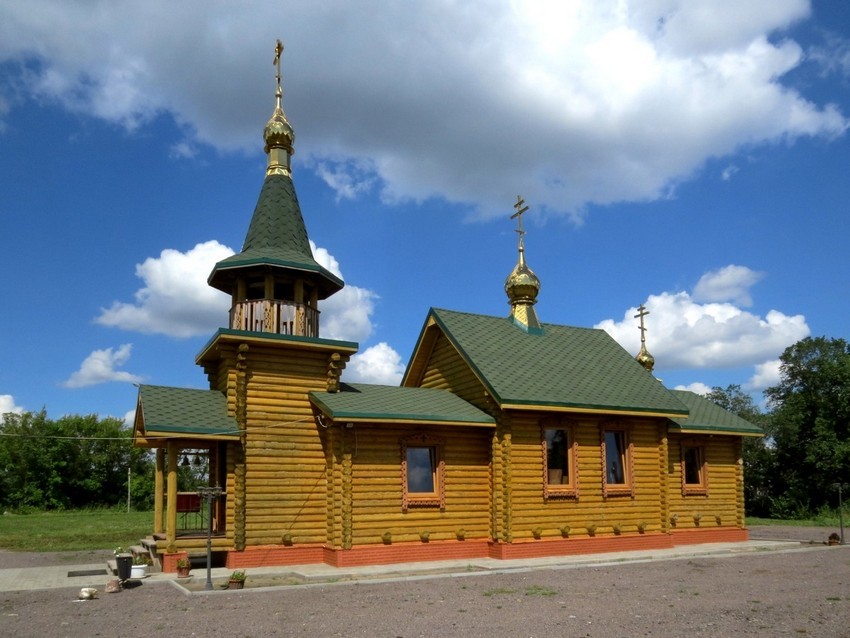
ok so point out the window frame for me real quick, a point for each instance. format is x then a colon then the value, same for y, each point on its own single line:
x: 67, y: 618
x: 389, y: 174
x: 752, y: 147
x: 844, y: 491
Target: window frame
x: 570, y: 489
x: 627, y: 488
x: 437, y: 498
x: 693, y: 489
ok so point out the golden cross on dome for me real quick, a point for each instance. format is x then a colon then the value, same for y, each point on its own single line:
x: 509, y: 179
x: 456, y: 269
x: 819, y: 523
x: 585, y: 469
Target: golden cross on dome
x: 277, y: 52
x: 520, y: 209
x: 642, y: 312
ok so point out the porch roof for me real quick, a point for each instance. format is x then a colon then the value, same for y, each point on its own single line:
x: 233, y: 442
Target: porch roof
x: 707, y: 417
x: 360, y: 402
x: 176, y: 412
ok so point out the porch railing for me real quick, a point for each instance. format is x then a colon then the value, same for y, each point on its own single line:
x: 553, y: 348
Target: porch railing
x: 273, y: 315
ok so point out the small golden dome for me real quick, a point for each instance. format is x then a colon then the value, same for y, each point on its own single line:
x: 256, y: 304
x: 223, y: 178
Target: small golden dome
x: 645, y: 359
x: 522, y: 285
x: 278, y: 132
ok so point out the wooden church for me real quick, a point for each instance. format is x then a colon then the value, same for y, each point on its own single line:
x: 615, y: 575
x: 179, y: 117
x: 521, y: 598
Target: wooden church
x: 508, y: 437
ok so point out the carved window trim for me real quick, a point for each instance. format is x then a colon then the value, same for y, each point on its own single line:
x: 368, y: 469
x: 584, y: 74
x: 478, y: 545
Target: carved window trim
x: 622, y: 433
x: 697, y: 447
x: 437, y: 498
x: 570, y: 489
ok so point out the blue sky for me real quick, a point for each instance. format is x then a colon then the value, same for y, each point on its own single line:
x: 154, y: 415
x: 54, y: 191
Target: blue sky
x: 688, y: 155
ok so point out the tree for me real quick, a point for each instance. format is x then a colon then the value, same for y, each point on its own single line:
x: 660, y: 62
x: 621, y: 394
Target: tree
x: 76, y: 461
x: 759, y: 452
x: 811, y: 424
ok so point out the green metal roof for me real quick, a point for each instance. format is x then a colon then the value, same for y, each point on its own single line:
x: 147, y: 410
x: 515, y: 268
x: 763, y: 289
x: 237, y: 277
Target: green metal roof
x: 365, y: 402
x: 707, y: 416
x: 276, y: 238
x: 185, y: 411
x: 560, y: 366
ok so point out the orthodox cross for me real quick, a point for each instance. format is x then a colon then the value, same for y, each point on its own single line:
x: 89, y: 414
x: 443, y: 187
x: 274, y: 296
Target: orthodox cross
x: 520, y: 209
x: 277, y: 51
x: 642, y: 312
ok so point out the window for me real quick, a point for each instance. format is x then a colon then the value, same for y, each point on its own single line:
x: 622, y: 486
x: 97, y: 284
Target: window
x: 694, y: 470
x: 559, y: 468
x: 617, y: 469
x: 422, y: 472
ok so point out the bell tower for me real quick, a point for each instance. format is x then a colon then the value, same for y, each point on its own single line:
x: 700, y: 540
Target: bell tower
x: 275, y: 283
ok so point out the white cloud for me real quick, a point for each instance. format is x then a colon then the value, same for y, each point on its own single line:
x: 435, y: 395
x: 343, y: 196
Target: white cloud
x: 175, y: 299
x: 684, y: 334
x: 574, y: 103
x: 730, y: 283
x: 697, y: 387
x: 379, y: 364
x: 100, y: 367
x: 346, y: 315
x: 833, y: 56
x: 129, y: 418
x: 347, y: 178
x: 7, y: 405
x: 729, y: 172
x: 767, y: 374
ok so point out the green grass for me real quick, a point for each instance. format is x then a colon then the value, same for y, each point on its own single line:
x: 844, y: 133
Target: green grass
x: 821, y: 520
x: 73, y: 531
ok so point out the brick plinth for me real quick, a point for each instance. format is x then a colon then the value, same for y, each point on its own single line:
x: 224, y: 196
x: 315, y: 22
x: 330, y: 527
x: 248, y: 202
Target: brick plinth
x: 405, y: 553
x: 699, y: 535
x: 274, y: 555
x: 279, y: 555
x: 169, y: 561
x: 583, y: 545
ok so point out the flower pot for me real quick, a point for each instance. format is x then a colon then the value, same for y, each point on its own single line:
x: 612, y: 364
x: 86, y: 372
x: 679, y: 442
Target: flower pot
x: 139, y: 571
x: 183, y: 572
x: 235, y: 584
x: 124, y: 565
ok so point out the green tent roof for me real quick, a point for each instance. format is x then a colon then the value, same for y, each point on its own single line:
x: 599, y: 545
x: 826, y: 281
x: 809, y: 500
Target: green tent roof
x: 365, y: 402
x: 707, y: 416
x: 276, y: 238
x: 559, y: 366
x: 184, y: 411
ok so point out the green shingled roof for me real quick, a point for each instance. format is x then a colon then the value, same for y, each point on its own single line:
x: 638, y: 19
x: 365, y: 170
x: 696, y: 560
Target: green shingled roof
x: 185, y: 411
x: 562, y: 366
x: 364, y: 402
x: 276, y: 238
x: 707, y: 416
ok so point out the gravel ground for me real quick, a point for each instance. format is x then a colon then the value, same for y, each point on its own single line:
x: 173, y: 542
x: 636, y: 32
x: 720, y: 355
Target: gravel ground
x: 758, y: 594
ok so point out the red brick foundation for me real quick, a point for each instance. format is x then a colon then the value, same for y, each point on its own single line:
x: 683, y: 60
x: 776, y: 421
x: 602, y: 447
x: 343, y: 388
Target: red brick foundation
x: 583, y: 545
x: 405, y: 553
x: 698, y: 535
x: 169, y: 561
x: 274, y: 555
x: 278, y: 555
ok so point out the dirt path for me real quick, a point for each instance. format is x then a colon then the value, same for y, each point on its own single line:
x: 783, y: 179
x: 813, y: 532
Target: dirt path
x: 801, y: 592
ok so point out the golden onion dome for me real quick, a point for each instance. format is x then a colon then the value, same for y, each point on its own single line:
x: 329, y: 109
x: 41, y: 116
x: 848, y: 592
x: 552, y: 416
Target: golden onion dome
x: 278, y: 132
x: 522, y: 285
x: 645, y: 359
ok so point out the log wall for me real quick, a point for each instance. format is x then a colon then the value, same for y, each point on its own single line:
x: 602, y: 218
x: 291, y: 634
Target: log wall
x: 535, y: 516
x: 284, y: 472
x: 720, y: 506
x: 374, y: 482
